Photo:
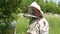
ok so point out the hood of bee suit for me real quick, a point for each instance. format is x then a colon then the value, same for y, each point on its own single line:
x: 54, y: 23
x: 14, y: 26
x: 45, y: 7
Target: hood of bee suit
x: 34, y: 4
x: 34, y: 10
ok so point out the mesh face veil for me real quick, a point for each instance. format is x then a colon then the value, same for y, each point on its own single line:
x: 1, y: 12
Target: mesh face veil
x: 35, y: 10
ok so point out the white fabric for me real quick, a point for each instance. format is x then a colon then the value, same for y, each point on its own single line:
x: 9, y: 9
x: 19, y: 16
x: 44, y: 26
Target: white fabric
x: 43, y: 29
x: 34, y: 4
x: 33, y: 28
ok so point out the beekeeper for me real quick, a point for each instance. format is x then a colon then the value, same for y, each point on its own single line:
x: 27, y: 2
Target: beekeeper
x: 38, y: 24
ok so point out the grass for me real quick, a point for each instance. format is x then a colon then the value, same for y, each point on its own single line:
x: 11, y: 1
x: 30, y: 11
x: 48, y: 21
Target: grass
x: 22, y: 25
x: 54, y: 22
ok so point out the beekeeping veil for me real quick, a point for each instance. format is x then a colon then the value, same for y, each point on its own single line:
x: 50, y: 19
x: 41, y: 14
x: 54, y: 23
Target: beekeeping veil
x: 34, y: 11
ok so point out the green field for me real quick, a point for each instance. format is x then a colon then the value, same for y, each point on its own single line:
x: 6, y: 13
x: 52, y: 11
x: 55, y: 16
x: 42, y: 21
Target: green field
x: 54, y: 22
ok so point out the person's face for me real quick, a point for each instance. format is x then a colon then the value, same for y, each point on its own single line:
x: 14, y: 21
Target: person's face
x: 34, y: 11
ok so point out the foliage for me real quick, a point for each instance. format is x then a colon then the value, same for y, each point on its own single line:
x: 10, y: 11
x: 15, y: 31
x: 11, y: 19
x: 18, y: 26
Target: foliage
x: 59, y: 3
x: 8, y: 8
x: 8, y: 11
x: 24, y: 5
x: 45, y: 5
x: 58, y: 10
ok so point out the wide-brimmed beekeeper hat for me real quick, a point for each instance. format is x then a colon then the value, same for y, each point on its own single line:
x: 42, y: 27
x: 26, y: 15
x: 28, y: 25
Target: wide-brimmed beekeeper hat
x: 35, y: 5
x: 36, y: 8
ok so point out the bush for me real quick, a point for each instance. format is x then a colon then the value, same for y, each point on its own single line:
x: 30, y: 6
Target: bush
x: 8, y: 12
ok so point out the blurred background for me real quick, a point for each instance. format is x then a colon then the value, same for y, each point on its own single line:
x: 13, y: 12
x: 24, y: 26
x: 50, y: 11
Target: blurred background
x: 50, y: 6
x: 12, y: 11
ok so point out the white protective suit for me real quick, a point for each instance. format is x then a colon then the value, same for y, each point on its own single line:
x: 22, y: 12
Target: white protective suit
x: 42, y: 23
